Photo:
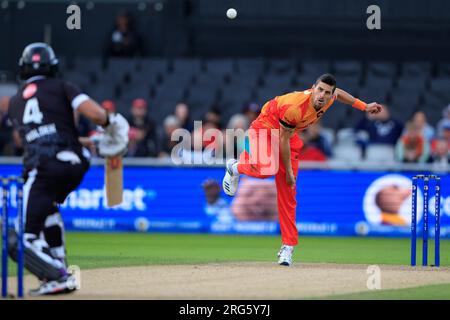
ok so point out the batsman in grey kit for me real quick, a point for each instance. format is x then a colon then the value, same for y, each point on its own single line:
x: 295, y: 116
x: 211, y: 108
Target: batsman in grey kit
x: 54, y: 160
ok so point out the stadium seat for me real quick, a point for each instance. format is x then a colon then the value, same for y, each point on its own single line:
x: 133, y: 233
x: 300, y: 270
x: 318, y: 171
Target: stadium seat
x: 441, y: 85
x: 404, y: 102
x: 251, y: 65
x: 380, y: 153
x: 348, y: 152
x: 198, y: 97
x: 411, y: 83
x: 434, y: 103
x: 335, y: 117
x: 184, y: 78
x: 153, y: 65
x: 402, y: 115
x: 220, y: 67
x: 347, y: 68
x: 234, y: 94
x: 164, y: 104
x: 190, y: 66
x: 349, y: 83
x: 78, y: 78
x: 136, y: 90
x: 281, y: 66
x: 300, y: 82
x: 91, y: 64
x: 311, y: 70
x: 265, y: 94
x: 382, y: 69
x: 121, y: 65
x: 372, y: 93
x: 278, y: 80
x: 207, y: 81
x: 345, y: 136
x: 379, y: 82
x: 328, y: 134
x: 169, y: 92
x: 103, y: 92
x: 246, y: 81
x: 147, y: 78
x: 416, y: 69
x: 352, y: 116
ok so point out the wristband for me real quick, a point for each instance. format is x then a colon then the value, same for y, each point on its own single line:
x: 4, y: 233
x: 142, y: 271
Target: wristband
x: 358, y: 104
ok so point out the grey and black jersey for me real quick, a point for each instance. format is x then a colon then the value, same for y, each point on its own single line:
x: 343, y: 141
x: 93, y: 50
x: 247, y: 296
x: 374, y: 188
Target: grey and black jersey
x: 43, y: 113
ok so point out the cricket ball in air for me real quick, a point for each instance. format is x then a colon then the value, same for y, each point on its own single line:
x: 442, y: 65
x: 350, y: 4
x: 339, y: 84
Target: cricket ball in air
x: 231, y: 13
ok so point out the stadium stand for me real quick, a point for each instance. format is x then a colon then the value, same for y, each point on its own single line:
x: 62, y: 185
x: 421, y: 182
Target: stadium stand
x: 230, y: 84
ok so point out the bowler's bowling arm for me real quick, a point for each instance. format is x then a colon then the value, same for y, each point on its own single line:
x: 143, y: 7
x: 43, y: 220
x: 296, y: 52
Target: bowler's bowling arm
x: 344, y: 97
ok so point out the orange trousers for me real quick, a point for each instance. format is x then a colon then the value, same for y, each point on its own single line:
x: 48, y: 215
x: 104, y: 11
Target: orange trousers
x: 252, y: 164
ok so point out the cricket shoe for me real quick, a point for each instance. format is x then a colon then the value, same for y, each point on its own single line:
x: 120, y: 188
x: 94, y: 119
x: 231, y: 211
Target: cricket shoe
x: 230, y: 181
x: 67, y: 284
x: 285, y: 255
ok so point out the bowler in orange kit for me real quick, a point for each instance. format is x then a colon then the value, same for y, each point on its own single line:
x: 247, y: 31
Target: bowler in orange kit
x: 274, y: 148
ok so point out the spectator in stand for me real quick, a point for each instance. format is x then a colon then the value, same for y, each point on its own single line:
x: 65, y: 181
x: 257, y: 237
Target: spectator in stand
x: 236, y: 141
x: 238, y: 121
x: 307, y: 151
x: 214, y: 116
x: 123, y: 41
x: 143, y: 139
x: 201, y: 150
x: 379, y: 128
x: 413, y: 147
x: 251, y: 111
x: 109, y: 105
x: 419, y: 119
x: 311, y: 153
x: 171, y: 123
x: 6, y: 130
x: 314, y: 138
x: 182, y: 113
x: 13, y: 145
x: 440, y: 155
x: 446, y: 130
x: 445, y: 134
x: 446, y: 117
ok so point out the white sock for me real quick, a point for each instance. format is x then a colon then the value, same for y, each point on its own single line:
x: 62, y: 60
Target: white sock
x: 235, y: 169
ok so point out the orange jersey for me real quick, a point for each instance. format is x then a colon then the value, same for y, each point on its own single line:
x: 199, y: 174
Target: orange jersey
x: 293, y: 110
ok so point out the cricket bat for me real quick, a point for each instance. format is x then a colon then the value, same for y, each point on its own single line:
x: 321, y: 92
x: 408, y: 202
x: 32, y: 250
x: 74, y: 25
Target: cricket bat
x: 113, y: 180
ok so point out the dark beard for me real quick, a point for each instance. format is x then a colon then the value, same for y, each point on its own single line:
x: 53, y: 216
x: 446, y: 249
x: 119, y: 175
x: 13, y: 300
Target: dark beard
x: 316, y: 107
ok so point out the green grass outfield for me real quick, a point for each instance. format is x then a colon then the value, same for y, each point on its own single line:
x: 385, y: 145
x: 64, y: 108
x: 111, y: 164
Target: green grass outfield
x: 432, y: 292
x: 101, y: 250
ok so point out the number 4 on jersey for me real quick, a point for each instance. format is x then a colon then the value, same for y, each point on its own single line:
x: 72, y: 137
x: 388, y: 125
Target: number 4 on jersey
x: 32, y: 112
